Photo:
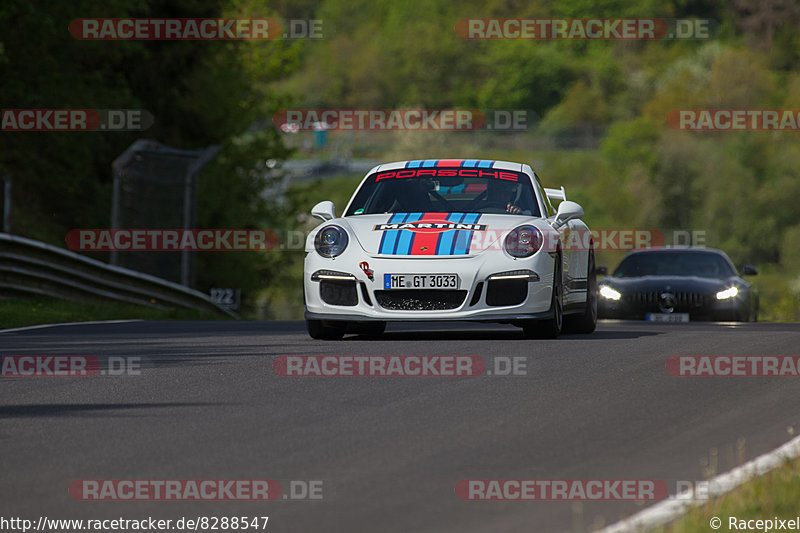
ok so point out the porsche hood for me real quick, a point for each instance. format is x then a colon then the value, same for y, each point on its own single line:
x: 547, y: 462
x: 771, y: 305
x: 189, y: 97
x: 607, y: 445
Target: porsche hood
x: 432, y: 234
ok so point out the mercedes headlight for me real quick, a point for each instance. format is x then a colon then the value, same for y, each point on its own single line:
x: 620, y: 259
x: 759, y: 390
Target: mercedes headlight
x: 727, y: 293
x: 609, y: 293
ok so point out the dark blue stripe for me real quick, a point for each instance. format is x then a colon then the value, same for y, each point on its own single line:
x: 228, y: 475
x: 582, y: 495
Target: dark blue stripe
x: 398, y: 233
x: 445, y: 241
x: 389, y: 238
x: 406, y: 238
x: 475, y: 218
x: 455, y: 234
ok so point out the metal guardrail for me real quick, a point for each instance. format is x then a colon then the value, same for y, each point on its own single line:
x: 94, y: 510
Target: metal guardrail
x: 33, y: 267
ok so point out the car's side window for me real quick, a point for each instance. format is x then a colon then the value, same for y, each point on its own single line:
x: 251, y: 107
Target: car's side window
x: 548, y: 206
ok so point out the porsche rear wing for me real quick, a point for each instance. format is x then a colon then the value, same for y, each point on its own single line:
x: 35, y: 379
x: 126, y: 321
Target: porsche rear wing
x: 556, y: 194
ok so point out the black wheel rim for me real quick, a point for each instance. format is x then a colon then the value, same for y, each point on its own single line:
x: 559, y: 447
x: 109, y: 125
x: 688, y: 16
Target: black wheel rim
x: 557, y: 303
x: 592, y: 289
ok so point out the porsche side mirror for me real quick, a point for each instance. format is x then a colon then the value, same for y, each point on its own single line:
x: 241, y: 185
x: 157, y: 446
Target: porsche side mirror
x: 324, y: 210
x: 567, y: 211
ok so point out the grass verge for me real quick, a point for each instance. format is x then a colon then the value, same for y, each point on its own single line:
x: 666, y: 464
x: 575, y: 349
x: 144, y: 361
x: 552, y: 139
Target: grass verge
x: 19, y: 312
x: 775, y: 494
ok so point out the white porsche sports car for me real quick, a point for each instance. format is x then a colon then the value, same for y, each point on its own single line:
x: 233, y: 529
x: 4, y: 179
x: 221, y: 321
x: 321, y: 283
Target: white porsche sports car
x: 450, y: 239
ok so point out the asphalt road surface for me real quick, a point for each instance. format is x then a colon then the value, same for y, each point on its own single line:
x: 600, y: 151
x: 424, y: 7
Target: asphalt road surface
x: 207, y: 404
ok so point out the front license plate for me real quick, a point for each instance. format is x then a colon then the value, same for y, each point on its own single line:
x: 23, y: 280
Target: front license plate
x: 420, y: 281
x: 668, y: 317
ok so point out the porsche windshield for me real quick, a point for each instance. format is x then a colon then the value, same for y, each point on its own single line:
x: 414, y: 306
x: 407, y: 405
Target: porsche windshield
x: 446, y: 190
x: 700, y: 264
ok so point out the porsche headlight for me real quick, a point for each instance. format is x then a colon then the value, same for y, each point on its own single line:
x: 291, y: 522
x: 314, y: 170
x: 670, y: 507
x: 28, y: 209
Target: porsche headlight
x: 727, y: 293
x: 609, y: 293
x: 523, y: 241
x: 330, y: 241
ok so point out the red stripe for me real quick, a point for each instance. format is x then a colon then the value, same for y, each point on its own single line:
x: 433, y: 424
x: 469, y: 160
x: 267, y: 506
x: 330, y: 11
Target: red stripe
x: 449, y: 163
x: 427, y: 240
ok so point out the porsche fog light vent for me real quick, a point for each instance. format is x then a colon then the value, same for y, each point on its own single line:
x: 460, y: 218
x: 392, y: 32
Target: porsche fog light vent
x: 338, y: 292
x: 506, y: 291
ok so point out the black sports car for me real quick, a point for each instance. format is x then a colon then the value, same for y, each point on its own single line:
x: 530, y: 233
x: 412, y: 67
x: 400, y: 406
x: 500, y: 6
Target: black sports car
x: 678, y: 285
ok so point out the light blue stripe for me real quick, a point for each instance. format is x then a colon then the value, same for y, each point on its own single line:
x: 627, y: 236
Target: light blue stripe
x: 445, y: 241
x: 469, y: 163
x: 390, y: 237
x: 398, y: 232
x: 429, y: 163
x: 405, y: 238
x: 414, y: 164
x: 475, y: 218
x: 485, y: 163
x: 462, y: 239
x: 460, y: 247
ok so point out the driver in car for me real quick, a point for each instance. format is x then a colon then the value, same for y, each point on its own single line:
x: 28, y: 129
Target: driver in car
x: 499, y: 192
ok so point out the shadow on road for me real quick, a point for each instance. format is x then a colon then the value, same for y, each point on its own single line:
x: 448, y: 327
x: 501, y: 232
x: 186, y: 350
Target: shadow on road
x: 69, y: 410
x: 496, y: 335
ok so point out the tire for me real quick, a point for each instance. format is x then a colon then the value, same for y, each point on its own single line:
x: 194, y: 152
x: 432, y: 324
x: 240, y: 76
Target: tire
x: 369, y: 329
x: 326, y: 329
x: 586, y: 322
x: 755, y: 309
x: 549, y: 328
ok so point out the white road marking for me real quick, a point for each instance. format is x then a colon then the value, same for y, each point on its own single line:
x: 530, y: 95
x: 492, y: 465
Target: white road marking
x: 676, y: 505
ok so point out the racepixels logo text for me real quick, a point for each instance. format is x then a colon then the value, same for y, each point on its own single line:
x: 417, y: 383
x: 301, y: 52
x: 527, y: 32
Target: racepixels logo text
x: 734, y: 366
x: 561, y: 489
x: 584, y: 29
x: 41, y: 120
x: 415, y: 366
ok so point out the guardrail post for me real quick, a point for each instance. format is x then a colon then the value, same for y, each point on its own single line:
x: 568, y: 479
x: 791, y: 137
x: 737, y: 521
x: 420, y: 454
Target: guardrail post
x: 6, y: 203
x: 189, y: 208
